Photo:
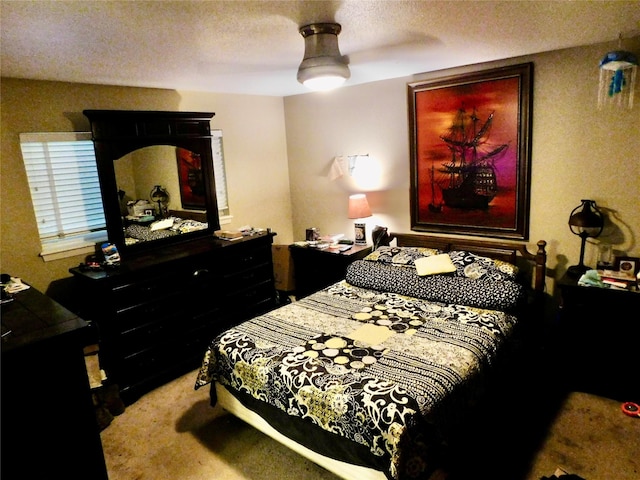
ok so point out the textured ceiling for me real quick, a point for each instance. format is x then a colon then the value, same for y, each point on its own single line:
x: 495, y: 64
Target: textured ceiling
x: 254, y: 46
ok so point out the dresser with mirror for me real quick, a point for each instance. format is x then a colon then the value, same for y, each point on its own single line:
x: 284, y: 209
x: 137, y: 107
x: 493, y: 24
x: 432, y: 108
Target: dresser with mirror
x: 176, y: 285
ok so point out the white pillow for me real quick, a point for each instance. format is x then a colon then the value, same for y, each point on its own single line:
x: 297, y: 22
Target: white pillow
x: 434, y: 264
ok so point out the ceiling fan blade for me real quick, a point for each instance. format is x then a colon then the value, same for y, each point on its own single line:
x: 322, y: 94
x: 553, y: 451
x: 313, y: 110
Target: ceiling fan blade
x: 410, y: 50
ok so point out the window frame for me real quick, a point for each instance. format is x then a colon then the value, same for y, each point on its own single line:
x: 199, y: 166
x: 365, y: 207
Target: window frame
x: 60, y: 244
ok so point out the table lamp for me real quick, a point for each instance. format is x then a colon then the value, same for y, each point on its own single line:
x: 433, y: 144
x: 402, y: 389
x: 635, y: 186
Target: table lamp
x: 359, y: 208
x: 585, y: 221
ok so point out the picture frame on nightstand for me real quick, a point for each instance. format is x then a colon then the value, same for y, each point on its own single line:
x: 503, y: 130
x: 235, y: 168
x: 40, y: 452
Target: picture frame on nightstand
x: 627, y: 267
x: 361, y: 234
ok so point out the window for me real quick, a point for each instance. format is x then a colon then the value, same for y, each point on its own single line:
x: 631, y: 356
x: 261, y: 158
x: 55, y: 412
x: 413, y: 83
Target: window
x: 65, y: 191
x: 220, y: 174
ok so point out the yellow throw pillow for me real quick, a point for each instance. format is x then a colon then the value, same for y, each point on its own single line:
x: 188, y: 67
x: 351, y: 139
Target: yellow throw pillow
x: 434, y: 264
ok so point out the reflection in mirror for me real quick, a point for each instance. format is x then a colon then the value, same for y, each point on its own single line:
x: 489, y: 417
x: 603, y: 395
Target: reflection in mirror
x: 143, y: 176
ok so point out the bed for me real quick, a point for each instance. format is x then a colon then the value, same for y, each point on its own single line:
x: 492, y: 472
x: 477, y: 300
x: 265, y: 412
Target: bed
x: 371, y: 376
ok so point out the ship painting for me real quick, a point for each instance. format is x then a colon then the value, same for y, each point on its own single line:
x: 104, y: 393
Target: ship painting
x: 468, y: 180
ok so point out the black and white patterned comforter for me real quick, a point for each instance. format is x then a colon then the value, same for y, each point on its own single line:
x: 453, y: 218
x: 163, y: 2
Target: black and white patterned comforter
x: 375, y: 366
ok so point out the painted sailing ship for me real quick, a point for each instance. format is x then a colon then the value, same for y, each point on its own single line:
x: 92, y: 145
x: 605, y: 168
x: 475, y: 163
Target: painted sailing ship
x: 468, y: 180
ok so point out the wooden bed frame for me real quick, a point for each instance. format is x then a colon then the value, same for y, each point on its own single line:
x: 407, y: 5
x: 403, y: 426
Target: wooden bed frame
x: 514, y: 253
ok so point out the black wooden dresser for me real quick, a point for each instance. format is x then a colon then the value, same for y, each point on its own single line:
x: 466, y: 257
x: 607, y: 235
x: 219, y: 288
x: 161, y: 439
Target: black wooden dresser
x: 158, y: 311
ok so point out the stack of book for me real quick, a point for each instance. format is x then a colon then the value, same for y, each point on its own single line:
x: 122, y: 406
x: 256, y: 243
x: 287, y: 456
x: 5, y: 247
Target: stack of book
x: 227, y: 234
x: 618, y: 280
x: 328, y: 242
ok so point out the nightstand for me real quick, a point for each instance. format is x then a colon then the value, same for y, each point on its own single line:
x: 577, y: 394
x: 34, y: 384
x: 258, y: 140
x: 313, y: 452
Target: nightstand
x: 315, y: 268
x: 598, y: 340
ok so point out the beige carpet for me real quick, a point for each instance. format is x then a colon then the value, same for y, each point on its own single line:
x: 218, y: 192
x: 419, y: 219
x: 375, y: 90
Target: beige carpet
x: 173, y: 433
x: 592, y: 438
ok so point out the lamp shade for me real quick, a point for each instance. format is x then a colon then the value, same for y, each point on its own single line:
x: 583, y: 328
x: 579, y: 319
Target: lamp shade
x: 159, y: 194
x: 323, y: 67
x: 359, y: 206
x: 586, y: 216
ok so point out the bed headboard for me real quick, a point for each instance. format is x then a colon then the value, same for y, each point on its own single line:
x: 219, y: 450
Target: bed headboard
x: 506, y: 251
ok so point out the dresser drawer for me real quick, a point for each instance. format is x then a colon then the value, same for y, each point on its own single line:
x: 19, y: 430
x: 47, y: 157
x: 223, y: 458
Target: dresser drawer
x: 141, y: 310
x: 179, y: 323
x: 245, y: 259
x: 246, y: 278
x: 166, y: 354
x: 174, y: 279
x: 245, y: 299
x: 144, y: 335
x: 137, y: 292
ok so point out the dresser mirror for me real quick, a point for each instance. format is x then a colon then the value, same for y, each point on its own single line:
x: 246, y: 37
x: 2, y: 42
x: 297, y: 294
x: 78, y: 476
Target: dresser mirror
x: 156, y: 177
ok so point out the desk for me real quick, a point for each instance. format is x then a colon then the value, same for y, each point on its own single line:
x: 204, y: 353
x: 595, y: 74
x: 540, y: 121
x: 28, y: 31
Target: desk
x: 318, y: 268
x: 49, y: 428
x: 598, y: 340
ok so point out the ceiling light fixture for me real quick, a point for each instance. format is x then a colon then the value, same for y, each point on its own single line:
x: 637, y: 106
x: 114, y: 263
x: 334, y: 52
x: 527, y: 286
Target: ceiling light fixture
x: 323, y: 67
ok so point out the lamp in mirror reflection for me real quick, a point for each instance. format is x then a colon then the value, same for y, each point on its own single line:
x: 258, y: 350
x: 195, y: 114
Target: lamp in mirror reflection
x: 160, y: 196
x: 359, y: 209
x: 323, y: 67
x: 585, y: 221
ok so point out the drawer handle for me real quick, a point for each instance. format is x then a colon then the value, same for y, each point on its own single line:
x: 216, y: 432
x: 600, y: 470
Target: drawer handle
x: 203, y: 271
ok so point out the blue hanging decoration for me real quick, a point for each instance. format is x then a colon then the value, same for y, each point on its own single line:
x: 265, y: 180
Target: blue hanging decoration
x: 618, y: 70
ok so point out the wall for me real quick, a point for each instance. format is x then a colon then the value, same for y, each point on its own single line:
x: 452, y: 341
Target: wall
x: 254, y: 141
x: 577, y: 152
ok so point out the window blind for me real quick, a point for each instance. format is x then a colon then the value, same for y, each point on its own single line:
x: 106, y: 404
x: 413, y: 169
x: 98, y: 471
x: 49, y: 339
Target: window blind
x: 219, y: 172
x: 65, y: 190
